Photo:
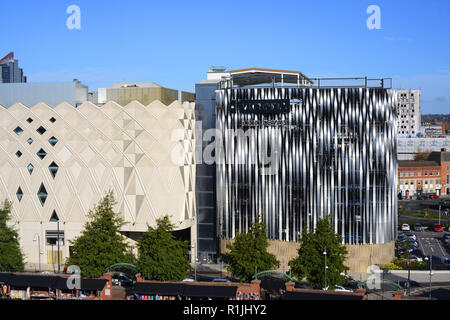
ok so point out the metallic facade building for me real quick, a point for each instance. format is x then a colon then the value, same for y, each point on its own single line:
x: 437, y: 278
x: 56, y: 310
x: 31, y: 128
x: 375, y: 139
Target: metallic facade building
x: 293, y: 155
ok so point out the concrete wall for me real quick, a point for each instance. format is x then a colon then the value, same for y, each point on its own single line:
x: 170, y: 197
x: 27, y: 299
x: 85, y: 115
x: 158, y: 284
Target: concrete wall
x: 359, y: 256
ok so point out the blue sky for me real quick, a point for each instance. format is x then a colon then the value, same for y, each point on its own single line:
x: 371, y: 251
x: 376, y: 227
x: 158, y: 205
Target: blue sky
x: 174, y: 42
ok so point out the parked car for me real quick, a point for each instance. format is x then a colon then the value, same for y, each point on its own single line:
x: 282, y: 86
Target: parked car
x: 446, y: 261
x: 413, y: 258
x: 405, y: 227
x: 401, y: 236
x: 411, y: 235
x: 121, y: 280
x: 433, y: 196
x: 418, y: 227
x: 421, y: 198
x: 438, y: 228
x: 418, y: 253
x: 407, y: 242
x: 341, y: 289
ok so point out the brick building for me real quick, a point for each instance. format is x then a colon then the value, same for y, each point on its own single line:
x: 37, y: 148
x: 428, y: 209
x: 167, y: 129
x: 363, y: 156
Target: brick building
x: 431, y: 176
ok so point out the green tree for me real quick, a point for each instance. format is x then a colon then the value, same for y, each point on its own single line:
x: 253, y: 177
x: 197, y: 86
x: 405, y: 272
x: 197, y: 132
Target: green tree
x: 249, y: 253
x: 160, y: 255
x: 310, y: 262
x: 100, y: 244
x: 11, y: 256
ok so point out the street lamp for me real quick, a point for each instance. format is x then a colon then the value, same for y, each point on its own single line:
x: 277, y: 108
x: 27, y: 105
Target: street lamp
x: 325, y: 254
x: 38, y: 239
x: 195, y: 261
x: 431, y: 270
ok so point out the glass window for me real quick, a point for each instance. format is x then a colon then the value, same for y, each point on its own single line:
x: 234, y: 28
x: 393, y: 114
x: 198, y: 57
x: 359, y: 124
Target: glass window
x: 53, y: 141
x: 419, y: 174
x: 18, y: 154
x: 30, y: 168
x: 52, y: 120
x: 18, y: 130
x: 41, y: 130
x: 53, y: 168
x: 41, y: 153
x: 29, y: 120
x: 30, y: 141
x: 51, y: 237
x: 42, y: 194
x: 19, y: 194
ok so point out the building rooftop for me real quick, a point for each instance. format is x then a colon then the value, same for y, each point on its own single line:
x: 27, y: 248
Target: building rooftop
x: 417, y: 164
x: 254, y: 76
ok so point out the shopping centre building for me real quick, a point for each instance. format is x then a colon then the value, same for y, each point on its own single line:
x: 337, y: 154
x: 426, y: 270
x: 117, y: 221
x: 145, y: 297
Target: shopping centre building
x: 58, y: 163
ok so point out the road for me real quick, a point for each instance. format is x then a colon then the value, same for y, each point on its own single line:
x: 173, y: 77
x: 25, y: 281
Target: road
x: 431, y: 244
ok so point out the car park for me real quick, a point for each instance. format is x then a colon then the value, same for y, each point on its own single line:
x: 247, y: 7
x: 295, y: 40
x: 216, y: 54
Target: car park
x: 438, y: 228
x: 418, y: 227
x: 406, y: 227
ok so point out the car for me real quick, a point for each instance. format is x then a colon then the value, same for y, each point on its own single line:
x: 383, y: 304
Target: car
x: 341, y: 289
x: 446, y: 261
x: 438, y: 228
x: 418, y: 253
x: 413, y: 258
x: 433, y: 196
x: 401, y: 236
x: 418, y: 227
x: 421, y: 198
x: 220, y: 280
x: 446, y: 235
x: 405, y: 227
x: 120, y: 279
x: 411, y: 235
x: 408, y: 242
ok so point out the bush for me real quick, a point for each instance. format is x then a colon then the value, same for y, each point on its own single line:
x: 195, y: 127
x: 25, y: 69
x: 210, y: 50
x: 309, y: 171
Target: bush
x: 399, y: 264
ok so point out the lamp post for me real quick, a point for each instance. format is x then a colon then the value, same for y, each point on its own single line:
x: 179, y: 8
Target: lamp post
x: 409, y: 277
x: 38, y: 239
x: 431, y: 270
x: 325, y: 254
x: 195, y: 261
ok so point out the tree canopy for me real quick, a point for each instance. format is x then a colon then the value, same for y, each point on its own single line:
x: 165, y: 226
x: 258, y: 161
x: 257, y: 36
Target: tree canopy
x: 160, y: 255
x: 248, y: 254
x: 11, y: 256
x: 310, y: 262
x: 100, y: 244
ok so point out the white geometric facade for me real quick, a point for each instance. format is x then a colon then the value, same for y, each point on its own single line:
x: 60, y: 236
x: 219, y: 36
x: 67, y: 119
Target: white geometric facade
x: 65, y: 159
